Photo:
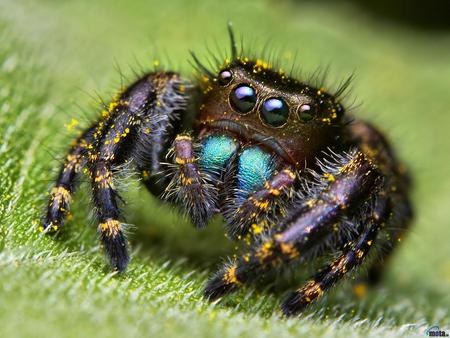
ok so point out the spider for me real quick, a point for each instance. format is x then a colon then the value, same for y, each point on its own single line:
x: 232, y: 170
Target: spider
x: 291, y: 174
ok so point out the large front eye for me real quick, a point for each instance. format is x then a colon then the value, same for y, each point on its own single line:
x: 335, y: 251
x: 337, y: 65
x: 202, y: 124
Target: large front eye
x: 275, y: 112
x: 243, y: 98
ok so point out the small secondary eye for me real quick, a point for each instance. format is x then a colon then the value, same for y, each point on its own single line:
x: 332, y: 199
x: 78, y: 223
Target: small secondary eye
x: 275, y: 112
x: 243, y: 98
x: 225, y: 77
x: 306, y: 112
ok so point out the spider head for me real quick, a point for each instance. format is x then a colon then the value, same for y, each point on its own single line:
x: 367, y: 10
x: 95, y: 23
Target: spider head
x: 249, y: 99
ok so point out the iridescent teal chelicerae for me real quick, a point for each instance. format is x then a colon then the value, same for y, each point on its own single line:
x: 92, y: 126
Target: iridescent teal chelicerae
x: 216, y: 151
x: 255, y: 167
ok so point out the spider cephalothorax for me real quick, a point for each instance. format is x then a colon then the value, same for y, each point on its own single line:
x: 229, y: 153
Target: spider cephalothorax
x: 265, y: 106
x: 274, y: 155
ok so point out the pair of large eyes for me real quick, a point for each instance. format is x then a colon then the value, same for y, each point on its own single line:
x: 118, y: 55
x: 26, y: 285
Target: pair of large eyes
x: 274, y: 111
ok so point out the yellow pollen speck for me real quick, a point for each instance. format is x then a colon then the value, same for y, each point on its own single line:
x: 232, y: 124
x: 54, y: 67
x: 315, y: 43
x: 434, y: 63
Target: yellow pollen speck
x: 360, y: 290
x: 261, y: 64
x: 257, y: 229
x: 112, y: 106
x: 329, y: 177
x: 290, y: 173
x: 310, y: 203
x: 73, y: 123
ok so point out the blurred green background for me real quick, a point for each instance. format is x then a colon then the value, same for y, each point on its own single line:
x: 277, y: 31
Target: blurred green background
x: 57, y: 57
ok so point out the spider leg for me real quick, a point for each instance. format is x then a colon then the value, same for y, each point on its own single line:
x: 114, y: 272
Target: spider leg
x: 150, y: 103
x: 396, y: 230
x: 350, y: 185
x: 342, y: 265
x: 112, y: 145
x: 251, y: 214
x: 191, y: 187
x: 65, y: 185
x: 151, y: 99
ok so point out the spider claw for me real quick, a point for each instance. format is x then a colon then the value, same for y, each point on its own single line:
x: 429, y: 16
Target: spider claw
x: 116, y: 249
x: 222, y: 283
x: 216, y: 288
x: 293, y: 304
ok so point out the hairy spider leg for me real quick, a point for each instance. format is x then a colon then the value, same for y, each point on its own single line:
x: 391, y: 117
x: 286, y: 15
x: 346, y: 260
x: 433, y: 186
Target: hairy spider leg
x: 158, y: 135
x: 148, y: 103
x: 65, y: 185
x: 342, y: 265
x: 190, y: 187
x: 198, y: 173
x: 151, y: 97
x: 352, y: 183
x: 76, y: 159
x: 251, y: 214
x: 114, y: 142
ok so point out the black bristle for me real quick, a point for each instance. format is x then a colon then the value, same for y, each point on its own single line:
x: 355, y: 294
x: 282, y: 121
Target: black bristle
x: 233, y: 46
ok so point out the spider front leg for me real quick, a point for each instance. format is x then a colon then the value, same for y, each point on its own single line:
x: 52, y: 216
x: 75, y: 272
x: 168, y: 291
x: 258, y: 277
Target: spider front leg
x: 351, y: 183
x: 191, y: 187
x: 145, y: 111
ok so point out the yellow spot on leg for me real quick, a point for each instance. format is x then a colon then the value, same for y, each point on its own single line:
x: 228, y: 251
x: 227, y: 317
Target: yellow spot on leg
x: 289, y: 250
x: 111, y: 227
x: 264, y: 251
x: 230, y: 276
x: 311, y: 290
x: 59, y: 193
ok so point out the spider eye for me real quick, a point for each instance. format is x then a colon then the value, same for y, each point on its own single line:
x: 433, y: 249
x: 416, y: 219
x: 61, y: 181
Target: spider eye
x: 243, y: 98
x: 225, y: 77
x: 275, y: 112
x: 306, y: 112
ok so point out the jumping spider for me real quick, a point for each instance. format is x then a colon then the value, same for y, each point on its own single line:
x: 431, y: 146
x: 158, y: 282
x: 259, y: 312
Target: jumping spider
x: 275, y: 156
